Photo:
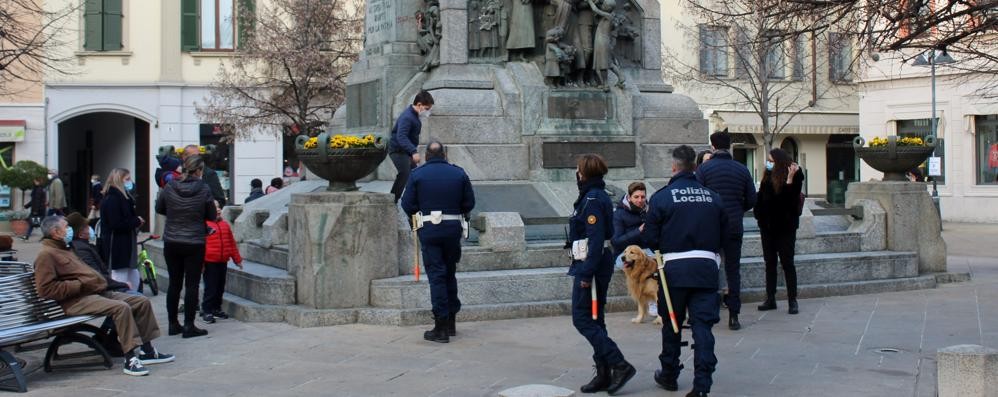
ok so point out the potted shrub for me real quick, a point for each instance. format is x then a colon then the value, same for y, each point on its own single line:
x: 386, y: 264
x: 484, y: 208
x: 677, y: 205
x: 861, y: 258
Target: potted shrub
x: 22, y: 176
x: 18, y: 220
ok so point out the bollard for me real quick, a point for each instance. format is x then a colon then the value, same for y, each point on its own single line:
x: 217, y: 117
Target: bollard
x: 967, y: 371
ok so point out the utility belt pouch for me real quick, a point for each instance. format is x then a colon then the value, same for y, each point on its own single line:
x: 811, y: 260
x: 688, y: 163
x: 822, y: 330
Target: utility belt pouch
x: 464, y: 227
x: 436, y: 217
x: 580, y: 249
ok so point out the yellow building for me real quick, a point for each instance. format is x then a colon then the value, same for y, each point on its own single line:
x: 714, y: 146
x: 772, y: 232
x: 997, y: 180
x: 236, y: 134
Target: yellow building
x: 819, y: 136
x: 138, y: 68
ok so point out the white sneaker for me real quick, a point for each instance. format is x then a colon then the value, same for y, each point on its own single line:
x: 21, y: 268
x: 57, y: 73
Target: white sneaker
x: 133, y: 366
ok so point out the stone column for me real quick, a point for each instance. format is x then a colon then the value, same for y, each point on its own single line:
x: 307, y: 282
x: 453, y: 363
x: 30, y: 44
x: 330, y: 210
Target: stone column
x: 967, y: 370
x: 912, y: 221
x: 454, y: 43
x: 340, y: 241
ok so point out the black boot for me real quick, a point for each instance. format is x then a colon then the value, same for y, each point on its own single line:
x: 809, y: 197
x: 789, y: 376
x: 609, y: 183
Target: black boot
x: 669, y: 384
x: 190, y: 331
x: 175, y: 328
x: 439, y: 332
x: 793, y: 306
x: 619, y: 375
x: 694, y: 393
x: 600, y: 382
x: 451, y: 325
x: 733, y: 323
x: 769, y: 304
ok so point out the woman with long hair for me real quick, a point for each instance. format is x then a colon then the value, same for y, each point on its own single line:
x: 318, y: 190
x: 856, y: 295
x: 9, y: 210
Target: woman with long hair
x: 778, y: 212
x: 590, y: 231
x: 187, y: 204
x: 119, y: 227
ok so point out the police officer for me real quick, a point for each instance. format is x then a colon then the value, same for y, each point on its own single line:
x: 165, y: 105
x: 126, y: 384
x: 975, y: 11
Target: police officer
x: 438, y: 193
x: 405, y: 138
x: 590, y: 231
x: 686, y: 222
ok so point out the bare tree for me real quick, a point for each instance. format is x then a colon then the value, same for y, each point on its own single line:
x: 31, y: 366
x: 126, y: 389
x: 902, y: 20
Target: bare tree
x: 754, y: 57
x: 290, y: 74
x: 28, y: 35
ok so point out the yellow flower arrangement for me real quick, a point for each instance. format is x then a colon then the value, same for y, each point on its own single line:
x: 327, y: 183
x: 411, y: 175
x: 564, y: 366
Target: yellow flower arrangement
x: 904, y: 141
x: 340, y: 141
x: 201, y: 149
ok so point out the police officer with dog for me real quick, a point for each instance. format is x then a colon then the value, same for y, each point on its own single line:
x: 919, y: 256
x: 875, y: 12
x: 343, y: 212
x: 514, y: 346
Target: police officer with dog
x: 686, y: 222
x: 437, y: 197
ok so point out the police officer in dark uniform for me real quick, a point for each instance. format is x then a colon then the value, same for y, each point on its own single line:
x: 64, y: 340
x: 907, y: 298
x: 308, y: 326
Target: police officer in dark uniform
x: 440, y: 195
x: 686, y: 222
x: 590, y: 231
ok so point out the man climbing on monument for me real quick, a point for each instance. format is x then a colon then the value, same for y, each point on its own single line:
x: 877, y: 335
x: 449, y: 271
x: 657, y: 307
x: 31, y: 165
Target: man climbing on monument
x: 405, y: 138
x: 438, y: 199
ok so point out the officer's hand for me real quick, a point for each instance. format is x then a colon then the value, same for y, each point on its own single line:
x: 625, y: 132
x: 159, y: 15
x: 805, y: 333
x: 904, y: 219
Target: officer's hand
x: 584, y: 284
x: 415, y: 158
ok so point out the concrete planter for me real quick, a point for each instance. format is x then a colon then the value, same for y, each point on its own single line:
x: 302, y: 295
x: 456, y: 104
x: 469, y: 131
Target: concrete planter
x: 341, y: 167
x: 893, y: 160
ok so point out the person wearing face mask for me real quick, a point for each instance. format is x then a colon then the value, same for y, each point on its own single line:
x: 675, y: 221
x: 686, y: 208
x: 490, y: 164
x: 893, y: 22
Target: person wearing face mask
x: 405, y: 138
x: 778, y: 214
x: 81, y: 234
x: 187, y: 203
x: 590, y: 232
x: 119, y: 227
x: 57, y: 194
x: 80, y: 290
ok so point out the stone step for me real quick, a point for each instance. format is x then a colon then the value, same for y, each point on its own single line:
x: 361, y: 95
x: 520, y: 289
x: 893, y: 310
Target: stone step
x: 504, y: 311
x: 551, y: 284
x: 276, y: 256
x: 475, y: 258
x: 257, y: 282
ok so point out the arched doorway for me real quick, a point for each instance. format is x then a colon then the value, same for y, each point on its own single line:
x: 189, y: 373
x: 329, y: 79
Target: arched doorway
x: 790, y: 146
x: 96, y: 143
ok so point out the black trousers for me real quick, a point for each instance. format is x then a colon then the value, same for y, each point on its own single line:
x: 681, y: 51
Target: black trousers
x: 703, y: 306
x: 214, y: 286
x: 732, y: 272
x: 403, y: 163
x: 779, y: 245
x: 183, y: 264
x: 441, y: 249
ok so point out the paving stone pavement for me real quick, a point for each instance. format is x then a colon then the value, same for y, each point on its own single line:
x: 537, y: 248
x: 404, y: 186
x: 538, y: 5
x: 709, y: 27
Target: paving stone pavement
x: 830, y: 349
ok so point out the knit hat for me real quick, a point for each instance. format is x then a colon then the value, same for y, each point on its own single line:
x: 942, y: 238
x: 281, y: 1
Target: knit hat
x: 169, y: 163
x: 77, y: 222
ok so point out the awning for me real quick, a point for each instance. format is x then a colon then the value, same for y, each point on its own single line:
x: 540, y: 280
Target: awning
x: 801, y: 124
x: 12, y: 130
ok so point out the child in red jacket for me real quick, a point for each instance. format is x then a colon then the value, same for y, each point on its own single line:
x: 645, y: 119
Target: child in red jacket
x: 220, y: 246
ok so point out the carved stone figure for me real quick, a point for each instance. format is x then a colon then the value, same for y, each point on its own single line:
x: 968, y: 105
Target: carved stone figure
x: 558, y: 57
x: 474, y: 28
x: 492, y: 27
x: 603, y: 42
x: 521, y: 26
x: 430, y: 32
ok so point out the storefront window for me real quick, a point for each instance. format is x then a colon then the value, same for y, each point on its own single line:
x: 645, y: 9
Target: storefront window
x: 7, y: 155
x: 922, y: 128
x: 987, y: 149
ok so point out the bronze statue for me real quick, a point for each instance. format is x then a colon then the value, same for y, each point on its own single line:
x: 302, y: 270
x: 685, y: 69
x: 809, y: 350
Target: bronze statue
x: 521, y: 29
x: 430, y: 32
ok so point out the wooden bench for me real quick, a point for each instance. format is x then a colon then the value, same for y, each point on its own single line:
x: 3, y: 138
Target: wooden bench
x: 26, y: 317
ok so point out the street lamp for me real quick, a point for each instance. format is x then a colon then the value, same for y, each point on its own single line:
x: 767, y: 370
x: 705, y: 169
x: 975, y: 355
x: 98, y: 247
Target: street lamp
x: 930, y: 59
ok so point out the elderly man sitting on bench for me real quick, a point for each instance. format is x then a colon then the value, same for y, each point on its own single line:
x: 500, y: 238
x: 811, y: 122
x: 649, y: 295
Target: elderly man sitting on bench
x: 63, y: 277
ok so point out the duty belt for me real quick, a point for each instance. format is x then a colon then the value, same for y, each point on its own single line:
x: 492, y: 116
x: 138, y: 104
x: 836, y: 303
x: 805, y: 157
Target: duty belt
x: 435, y: 217
x: 694, y: 254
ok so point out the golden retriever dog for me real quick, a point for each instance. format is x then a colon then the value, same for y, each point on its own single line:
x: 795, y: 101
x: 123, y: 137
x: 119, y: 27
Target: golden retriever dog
x: 639, y: 268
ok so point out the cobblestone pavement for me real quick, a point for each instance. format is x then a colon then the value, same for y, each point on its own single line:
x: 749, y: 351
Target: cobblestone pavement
x: 831, y: 349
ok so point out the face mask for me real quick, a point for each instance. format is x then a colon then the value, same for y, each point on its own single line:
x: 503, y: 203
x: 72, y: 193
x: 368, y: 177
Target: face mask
x: 129, y: 185
x: 68, y: 238
x: 51, y: 176
x: 93, y: 236
x: 769, y: 165
x: 425, y: 113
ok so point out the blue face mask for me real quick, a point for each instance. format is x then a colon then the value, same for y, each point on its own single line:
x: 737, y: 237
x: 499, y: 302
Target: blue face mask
x: 93, y: 236
x: 68, y: 238
x: 769, y: 165
x: 129, y: 185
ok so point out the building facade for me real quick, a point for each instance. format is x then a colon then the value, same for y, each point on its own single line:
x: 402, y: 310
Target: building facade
x: 138, y: 71
x: 896, y: 99
x: 815, y: 76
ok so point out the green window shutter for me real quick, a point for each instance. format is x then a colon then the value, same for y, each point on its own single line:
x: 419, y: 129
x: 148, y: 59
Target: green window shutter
x: 189, y: 25
x: 112, y: 25
x: 92, y: 40
x: 246, y: 17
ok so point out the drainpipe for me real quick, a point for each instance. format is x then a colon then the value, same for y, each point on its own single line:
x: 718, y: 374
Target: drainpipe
x: 814, y: 71
x: 45, y: 113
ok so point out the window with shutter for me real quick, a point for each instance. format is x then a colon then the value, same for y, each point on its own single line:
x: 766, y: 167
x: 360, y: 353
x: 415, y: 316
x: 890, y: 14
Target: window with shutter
x: 246, y: 14
x: 102, y: 25
x: 776, y: 64
x: 800, y: 57
x: 189, y: 25
x: 714, y: 50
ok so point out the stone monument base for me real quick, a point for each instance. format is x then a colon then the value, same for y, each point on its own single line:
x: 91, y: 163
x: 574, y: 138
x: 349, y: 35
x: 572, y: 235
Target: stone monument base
x: 341, y: 241
x: 913, y: 224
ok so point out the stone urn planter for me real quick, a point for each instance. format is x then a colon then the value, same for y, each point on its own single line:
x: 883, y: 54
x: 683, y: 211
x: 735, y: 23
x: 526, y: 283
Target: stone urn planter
x: 894, y: 159
x: 342, y: 166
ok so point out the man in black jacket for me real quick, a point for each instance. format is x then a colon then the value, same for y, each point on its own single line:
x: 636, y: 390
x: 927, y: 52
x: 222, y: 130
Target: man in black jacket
x: 88, y: 253
x: 210, y: 176
x: 734, y: 183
